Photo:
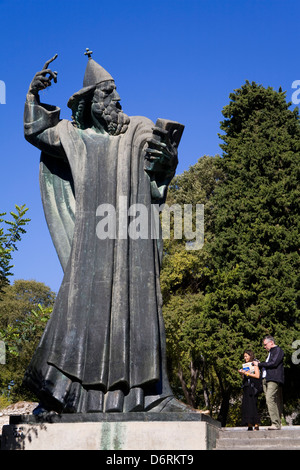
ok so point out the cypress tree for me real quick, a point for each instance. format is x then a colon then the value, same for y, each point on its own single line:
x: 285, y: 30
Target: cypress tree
x: 257, y: 217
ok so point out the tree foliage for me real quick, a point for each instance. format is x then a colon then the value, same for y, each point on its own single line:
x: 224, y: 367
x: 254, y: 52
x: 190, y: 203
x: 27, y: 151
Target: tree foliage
x: 184, y: 279
x: 244, y: 283
x: 9, y: 239
x: 188, y: 271
x: 24, y: 310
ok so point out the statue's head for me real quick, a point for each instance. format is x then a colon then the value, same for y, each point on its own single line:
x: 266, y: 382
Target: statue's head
x: 106, y: 110
x: 97, y: 104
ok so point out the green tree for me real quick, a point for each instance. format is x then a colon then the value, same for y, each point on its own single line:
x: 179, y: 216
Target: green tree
x: 9, y: 239
x: 186, y: 271
x: 24, y: 310
x: 184, y: 278
x: 244, y: 283
x: 255, y: 249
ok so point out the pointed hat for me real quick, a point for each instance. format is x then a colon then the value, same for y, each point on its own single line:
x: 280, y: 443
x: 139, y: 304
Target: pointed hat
x: 94, y: 74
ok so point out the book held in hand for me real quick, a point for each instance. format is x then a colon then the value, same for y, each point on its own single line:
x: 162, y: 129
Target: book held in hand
x: 248, y: 367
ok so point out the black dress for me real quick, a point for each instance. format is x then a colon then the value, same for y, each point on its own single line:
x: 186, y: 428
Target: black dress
x: 251, y: 388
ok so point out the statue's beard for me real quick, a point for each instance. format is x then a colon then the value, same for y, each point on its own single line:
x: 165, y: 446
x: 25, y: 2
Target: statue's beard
x: 111, y: 117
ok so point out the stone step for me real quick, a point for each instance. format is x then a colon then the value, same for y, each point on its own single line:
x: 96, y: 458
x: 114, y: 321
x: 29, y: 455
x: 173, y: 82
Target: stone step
x: 271, y: 447
x: 288, y: 438
x: 261, y: 434
x: 257, y: 444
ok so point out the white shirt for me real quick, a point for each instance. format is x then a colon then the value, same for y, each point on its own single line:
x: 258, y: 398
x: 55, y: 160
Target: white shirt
x: 264, y: 373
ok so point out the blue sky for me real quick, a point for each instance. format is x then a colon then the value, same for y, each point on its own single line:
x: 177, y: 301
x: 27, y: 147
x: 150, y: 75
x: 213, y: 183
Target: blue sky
x: 175, y: 59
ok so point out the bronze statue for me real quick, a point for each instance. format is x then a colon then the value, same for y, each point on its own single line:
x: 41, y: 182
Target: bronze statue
x: 103, y: 349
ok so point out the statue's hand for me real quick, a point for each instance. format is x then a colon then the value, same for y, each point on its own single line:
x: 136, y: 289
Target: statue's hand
x: 41, y: 80
x: 161, y: 155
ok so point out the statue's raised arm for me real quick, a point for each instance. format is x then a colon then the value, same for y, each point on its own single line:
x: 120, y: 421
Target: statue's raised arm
x: 41, y: 120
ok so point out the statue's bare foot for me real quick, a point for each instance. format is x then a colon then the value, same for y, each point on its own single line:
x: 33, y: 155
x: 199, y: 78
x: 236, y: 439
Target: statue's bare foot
x: 172, y: 405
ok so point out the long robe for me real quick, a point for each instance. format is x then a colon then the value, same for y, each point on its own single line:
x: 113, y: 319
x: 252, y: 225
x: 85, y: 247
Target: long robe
x: 103, y: 348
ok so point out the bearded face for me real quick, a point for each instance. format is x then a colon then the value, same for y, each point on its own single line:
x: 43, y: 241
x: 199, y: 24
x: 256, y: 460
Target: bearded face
x: 106, y: 109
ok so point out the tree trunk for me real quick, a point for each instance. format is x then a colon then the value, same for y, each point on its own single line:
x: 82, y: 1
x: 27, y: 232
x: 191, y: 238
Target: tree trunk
x: 224, y: 408
x: 189, y: 394
x: 205, y: 390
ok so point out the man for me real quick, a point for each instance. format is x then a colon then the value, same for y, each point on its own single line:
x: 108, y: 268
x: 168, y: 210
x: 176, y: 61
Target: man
x: 273, y: 379
x: 103, y: 349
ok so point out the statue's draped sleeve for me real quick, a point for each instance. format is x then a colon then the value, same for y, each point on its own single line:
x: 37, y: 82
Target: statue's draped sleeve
x: 42, y: 128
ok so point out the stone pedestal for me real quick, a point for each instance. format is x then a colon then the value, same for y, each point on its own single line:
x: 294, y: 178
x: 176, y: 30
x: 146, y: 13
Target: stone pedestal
x: 119, y: 431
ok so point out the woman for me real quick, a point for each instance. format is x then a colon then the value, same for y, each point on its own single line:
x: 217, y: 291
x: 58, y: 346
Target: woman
x: 251, y: 389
